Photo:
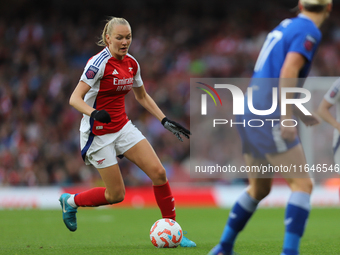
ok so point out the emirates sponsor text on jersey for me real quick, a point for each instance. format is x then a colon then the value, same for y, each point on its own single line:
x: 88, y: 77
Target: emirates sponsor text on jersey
x: 124, y: 81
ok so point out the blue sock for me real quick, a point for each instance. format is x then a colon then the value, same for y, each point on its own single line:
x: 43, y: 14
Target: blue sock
x: 297, y: 213
x: 238, y: 218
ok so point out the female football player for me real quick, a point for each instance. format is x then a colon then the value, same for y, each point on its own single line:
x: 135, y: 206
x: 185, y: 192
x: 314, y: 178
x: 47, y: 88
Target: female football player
x: 107, y: 133
x: 332, y: 98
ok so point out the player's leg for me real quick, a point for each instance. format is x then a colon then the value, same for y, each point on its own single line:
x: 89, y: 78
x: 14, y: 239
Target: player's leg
x: 112, y: 193
x: 244, y: 207
x: 144, y: 156
x: 298, y: 207
x: 106, y: 163
x: 336, y: 151
x: 133, y: 145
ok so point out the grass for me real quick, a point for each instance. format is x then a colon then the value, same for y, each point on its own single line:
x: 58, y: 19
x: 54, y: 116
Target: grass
x: 126, y: 231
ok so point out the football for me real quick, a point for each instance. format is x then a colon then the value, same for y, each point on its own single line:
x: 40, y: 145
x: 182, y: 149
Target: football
x: 166, y: 233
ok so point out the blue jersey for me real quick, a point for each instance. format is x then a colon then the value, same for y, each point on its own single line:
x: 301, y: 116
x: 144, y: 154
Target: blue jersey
x: 299, y: 35
x: 292, y: 35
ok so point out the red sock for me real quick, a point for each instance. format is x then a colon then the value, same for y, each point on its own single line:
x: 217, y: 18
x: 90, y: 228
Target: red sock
x: 92, y: 197
x: 165, y: 200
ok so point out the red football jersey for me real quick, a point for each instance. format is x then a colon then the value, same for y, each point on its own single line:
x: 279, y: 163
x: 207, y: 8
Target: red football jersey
x: 110, y: 80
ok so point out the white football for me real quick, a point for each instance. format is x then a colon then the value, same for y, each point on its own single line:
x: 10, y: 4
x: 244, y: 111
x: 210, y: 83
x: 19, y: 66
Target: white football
x: 166, y: 233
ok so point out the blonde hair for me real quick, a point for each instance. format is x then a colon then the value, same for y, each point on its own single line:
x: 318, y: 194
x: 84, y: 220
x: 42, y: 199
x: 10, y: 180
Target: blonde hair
x: 108, y: 29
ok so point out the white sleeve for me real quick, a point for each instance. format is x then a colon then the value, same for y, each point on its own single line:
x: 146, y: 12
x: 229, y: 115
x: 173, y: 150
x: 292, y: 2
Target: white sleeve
x: 94, y: 69
x: 333, y: 94
x: 137, y: 79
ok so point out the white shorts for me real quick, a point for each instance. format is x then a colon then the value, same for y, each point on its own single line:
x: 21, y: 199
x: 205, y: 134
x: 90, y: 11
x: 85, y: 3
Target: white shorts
x: 101, y: 151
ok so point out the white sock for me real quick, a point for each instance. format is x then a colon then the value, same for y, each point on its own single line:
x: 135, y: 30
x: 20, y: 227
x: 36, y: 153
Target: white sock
x: 71, y: 202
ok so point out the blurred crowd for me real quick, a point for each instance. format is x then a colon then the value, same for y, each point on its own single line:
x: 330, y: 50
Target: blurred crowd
x: 44, y: 47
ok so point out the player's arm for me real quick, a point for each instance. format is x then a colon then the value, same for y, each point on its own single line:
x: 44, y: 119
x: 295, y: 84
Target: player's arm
x: 291, y: 68
x: 288, y: 78
x: 77, y: 101
x: 324, y: 113
x: 149, y: 104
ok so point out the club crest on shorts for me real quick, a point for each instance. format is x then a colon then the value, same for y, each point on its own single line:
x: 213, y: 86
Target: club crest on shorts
x: 91, y: 72
x: 99, y: 162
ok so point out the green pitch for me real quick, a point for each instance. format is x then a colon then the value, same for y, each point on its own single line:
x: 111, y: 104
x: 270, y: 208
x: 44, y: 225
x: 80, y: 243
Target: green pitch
x: 126, y: 231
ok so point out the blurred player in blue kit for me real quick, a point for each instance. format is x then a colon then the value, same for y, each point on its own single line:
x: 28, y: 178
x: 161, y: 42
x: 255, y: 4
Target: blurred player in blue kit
x: 286, y: 55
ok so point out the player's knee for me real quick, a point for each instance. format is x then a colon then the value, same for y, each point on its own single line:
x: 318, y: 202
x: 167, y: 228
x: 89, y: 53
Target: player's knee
x: 306, y: 186
x: 260, y: 193
x: 302, y: 185
x: 310, y: 187
x: 116, y: 197
x: 263, y: 193
x: 159, y: 175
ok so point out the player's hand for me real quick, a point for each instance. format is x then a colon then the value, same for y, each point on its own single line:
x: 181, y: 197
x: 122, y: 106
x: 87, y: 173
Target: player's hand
x: 101, y: 116
x: 175, y: 128
x: 289, y: 132
x: 309, y: 120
